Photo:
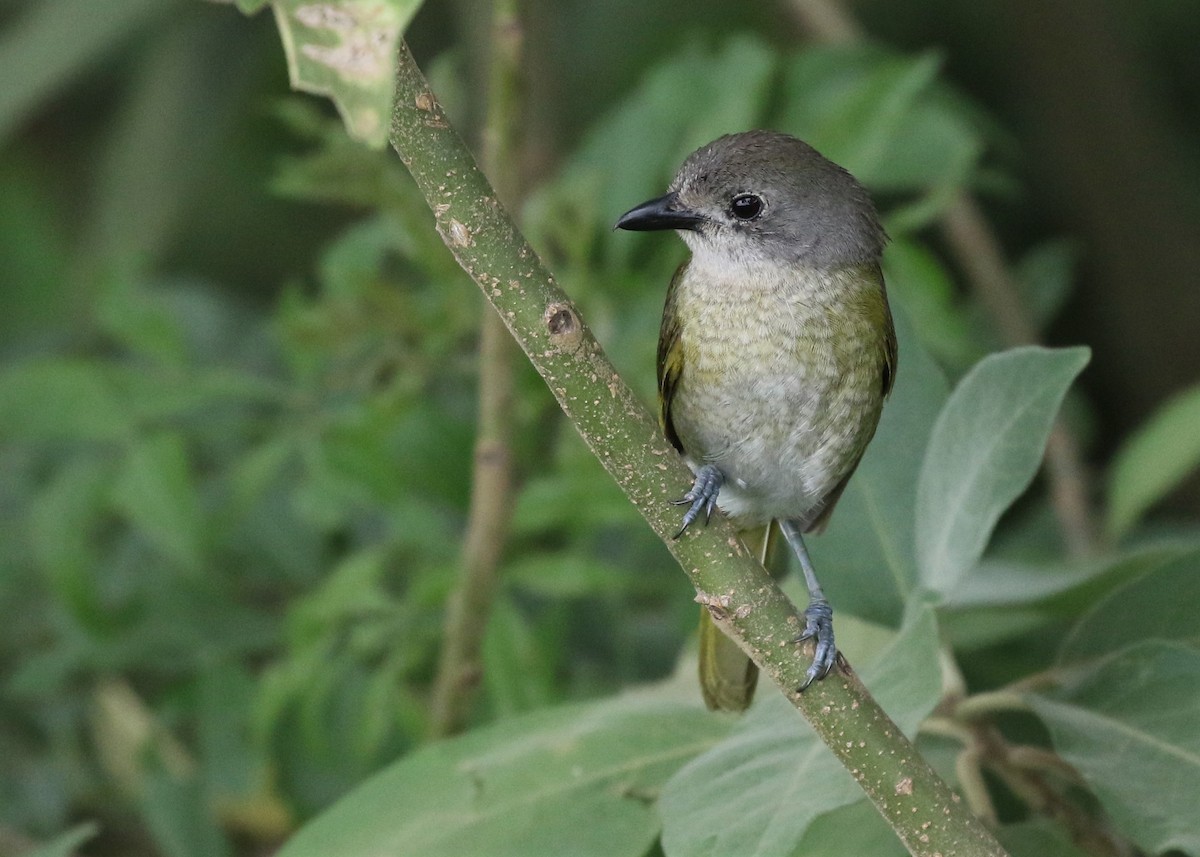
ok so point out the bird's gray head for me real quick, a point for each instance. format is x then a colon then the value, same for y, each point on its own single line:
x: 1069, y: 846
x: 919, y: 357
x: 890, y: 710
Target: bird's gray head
x: 766, y: 196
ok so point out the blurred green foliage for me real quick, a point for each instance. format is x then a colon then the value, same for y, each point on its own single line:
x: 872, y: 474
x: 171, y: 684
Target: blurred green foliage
x: 236, y: 410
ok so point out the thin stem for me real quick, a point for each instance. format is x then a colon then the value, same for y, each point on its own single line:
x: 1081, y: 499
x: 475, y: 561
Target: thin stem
x: 986, y: 704
x: 460, y: 666
x: 974, y: 789
x: 1039, y: 759
x: 748, y: 605
x: 826, y: 22
x: 1022, y: 769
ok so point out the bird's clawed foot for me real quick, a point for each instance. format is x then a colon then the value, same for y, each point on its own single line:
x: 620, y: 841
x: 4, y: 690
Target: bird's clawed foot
x: 818, y: 626
x: 701, y: 498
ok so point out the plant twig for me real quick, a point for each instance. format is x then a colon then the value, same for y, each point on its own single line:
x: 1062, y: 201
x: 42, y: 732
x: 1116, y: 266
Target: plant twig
x: 927, y: 816
x: 460, y: 665
x: 826, y: 21
x: 980, y: 256
x: 1023, y: 770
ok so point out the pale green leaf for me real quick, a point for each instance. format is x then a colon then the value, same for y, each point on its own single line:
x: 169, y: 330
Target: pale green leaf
x: 1128, y: 725
x: 854, y: 830
x: 758, y: 791
x: 984, y: 451
x: 1154, y: 460
x: 1039, y: 837
x: 1159, y: 604
x: 576, y: 780
x: 346, y: 49
x: 1009, y: 583
x: 1005, y: 599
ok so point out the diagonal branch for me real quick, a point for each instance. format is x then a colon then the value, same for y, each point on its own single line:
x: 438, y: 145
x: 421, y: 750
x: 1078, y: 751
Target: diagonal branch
x: 927, y: 816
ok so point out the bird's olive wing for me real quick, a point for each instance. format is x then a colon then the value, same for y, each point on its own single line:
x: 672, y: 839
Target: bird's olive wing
x: 670, y: 361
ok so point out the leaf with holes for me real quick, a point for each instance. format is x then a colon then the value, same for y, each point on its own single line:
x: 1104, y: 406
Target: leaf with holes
x: 346, y: 49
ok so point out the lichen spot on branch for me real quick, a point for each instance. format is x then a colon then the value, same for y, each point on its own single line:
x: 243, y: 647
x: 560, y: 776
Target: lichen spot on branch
x: 427, y: 104
x: 566, y: 331
x: 458, y: 235
x: 718, y: 605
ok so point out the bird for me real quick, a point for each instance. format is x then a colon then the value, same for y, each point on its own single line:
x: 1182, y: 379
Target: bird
x: 776, y: 354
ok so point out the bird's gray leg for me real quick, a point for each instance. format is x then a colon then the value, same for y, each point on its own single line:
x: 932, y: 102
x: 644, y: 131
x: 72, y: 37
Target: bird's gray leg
x: 818, y: 616
x: 702, y: 497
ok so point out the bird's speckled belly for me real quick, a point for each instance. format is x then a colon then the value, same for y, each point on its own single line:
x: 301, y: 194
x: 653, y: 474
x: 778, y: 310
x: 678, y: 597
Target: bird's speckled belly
x: 782, y: 393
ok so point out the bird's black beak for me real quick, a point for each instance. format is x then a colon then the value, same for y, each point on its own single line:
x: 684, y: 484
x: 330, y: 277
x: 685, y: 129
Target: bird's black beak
x: 666, y: 212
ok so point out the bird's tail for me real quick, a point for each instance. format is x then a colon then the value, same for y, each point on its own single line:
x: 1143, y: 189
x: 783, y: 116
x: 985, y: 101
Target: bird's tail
x: 727, y: 676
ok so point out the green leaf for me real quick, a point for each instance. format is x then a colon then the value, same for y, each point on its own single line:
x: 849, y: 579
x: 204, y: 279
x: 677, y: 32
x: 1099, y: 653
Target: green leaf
x: 35, y: 251
x: 51, y: 43
x: 64, y: 518
x: 177, y: 815
x: 1154, y: 460
x: 984, y: 451
x: 1005, y: 599
x: 231, y: 763
x: 869, y: 121
x: 65, y: 844
x: 142, y: 322
x: 917, y: 281
x: 758, y: 791
x: 585, y: 502
x: 346, y: 49
x: 684, y: 102
x: 569, y: 574
x: 155, y: 491
x: 853, y: 830
x: 1009, y: 583
x: 60, y: 399
x: 352, y: 592
x: 157, y: 149
x: 1159, y: 604
x: 881, y: 116
x: 1128, y: 726
x: 1038, y: 838
x: 518, y: 674
x: 867, y: 557
x: 1045, y: 276
x: 581, y: 778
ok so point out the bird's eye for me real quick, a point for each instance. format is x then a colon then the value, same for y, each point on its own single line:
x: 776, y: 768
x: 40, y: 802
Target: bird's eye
x: 746, y: 206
